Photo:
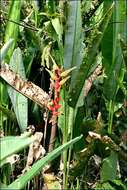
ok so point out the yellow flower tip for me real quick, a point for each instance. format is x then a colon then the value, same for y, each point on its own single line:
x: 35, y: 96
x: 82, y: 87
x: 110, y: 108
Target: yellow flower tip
x: 53, y: 77
x: 55, y: 66
x: 65, y: 73
x: 64, y: 80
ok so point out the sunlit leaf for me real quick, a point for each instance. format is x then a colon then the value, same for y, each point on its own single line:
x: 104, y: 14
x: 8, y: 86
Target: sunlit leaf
x: 57, y: 26
x: 5, y: 48
x: 19, y: 102
x: 10, y: 145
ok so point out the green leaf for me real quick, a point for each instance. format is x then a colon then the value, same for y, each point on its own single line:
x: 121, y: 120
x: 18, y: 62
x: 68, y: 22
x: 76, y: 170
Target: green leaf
x: 109, y: 167
x: 104, y: 186
x: 77, y: 128
x: 89, y: 60
x: 115, y: 73
x: 58, y: 27
x: 5, y: 48
x: 19, y: 102
x: 11, y: 32
x: 123, y: 43
x: 9, y: 113
x: 115, y: 69
x: 73, y: 36
x: 114, y: 65
x: 107, y: 41
x: 13, y: 28
x: 37, y: 167
x: 10, y: 145
x: 51, y: 6
x: 119, y: 184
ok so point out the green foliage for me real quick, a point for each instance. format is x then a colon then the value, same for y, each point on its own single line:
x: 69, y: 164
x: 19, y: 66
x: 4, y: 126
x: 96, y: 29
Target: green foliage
x: 85, y: 34
x: 89, y: 58
x: 104, y: 186
x: 20, y: 183
x: 10, y: 145
x: 109, y: 167
x: 19, y: 102
x: 113, y: 59
x: 5, y: 48
x: 73, y: 36
x: 115, y: 184
x: 12, y: 28
x: 10, y: 114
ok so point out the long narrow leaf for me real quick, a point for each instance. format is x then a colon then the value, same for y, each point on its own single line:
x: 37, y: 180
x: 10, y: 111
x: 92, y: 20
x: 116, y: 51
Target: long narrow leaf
x: 19, y: 102
x: 10, y: 145
x: 5, y: 48
x: 73, y: 33
x: 115, y: 69
x: 12, y: 28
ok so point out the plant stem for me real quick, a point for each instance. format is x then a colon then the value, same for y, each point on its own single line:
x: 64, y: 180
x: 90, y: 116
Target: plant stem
x: 65, y: 136
x: 110, y: 117
x: 70, y: 131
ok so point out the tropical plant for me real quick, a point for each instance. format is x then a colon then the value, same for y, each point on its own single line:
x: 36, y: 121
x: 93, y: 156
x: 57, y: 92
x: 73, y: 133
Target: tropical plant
x: 63, y: 83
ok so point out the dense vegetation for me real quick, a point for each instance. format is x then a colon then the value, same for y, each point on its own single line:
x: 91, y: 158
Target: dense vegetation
x: 63, y: 98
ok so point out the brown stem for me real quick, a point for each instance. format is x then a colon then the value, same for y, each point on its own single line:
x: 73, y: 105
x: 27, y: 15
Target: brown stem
x: 53, y: 135
x: 45, y: 117
x: 89, y: 81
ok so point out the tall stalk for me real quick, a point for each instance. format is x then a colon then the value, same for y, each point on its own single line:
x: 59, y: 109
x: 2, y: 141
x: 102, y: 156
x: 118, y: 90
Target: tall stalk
x: 65, y: 136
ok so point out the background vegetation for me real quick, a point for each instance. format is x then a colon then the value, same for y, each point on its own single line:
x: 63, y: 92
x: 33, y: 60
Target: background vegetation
x: 90, y: 38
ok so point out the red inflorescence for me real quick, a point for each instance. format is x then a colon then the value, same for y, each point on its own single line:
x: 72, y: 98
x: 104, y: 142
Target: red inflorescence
x: 57, y: 86
x: 55, y: 103
x: 55, y: 106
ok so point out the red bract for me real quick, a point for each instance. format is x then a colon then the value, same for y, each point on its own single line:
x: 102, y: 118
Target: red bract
x: 57, y: 86
x: 51, y: 108
x: 55, y: 106
x: 55, y: 113
x: 57, y: 99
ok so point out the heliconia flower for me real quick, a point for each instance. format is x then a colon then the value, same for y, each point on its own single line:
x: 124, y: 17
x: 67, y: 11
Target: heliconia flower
x: 65, y: 73
x: 59, y: 78
x: 55, y: 113
x: 55, y: 66
x: 57, y: 85
x: 51, y: 108
x: 53, y: 102
x: 63, y: 80
x: 57, y: 106
x: 52, y: 75
x: 57, y: 99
